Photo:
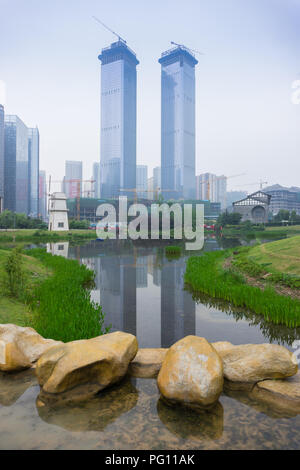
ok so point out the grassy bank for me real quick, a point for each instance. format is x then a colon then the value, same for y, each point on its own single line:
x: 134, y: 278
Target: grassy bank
x: 281, y: 255
x: 40, y: 236
x: 260, y: 232
x: 53, y: 297
x: 207, y: 274
x: 61, y: 304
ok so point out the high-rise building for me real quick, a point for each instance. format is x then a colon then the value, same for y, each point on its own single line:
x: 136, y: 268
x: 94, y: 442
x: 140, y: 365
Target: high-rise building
x: 34, y: 168
x: 42, y: 195
x: 206, y: 187
x: 16, y: 165
x: 142, y: 181
x: 1, y: 158
x: 118, y: 120
x: 151, y: 191
x: 213, y: 188
x: 178, y: 123
x: 96, y: 178
x: 73, y: 179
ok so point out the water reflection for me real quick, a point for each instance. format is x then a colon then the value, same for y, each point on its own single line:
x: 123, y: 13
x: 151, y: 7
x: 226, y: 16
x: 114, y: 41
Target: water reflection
x: 142, y: 292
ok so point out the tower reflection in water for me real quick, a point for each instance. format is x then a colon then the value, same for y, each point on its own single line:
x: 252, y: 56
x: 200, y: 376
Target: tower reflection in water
x: 141, y: 292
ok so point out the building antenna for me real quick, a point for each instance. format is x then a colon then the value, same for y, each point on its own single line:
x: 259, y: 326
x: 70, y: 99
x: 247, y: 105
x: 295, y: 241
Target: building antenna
x: 109, y: 29
x: 188, y: 48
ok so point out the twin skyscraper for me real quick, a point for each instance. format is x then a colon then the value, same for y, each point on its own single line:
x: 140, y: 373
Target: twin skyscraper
x: 118, y: 122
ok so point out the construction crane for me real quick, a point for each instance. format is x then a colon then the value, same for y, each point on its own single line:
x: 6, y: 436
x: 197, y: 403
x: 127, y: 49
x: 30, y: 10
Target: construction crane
x: 188, y: 48
x: 218, y: 178
x: 78, y: 190
x: 260, y: 182
x: 109, y: 29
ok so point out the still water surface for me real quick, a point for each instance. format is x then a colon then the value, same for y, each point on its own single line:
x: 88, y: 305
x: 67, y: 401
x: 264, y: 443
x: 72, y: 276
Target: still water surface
x: 142, y: 292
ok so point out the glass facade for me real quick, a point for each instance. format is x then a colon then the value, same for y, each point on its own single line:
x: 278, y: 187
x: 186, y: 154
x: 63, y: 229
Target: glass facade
x: 142, y: 181
x: 96, y: 178
x: 178, y: 124
x: 1, y: 157
x: 42, y: 195
x: 34, y: 168
x: 16, y: 165
x: 73, y: 179
x: 118, y: 120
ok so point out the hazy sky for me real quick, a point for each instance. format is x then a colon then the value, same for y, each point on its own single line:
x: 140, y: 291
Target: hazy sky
x: 246, y: 122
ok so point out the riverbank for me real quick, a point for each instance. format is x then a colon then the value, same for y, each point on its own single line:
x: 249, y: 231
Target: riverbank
x: 53, y: 298
x: 42, y: 236
x: 234, y: 276
x: 260, y: 232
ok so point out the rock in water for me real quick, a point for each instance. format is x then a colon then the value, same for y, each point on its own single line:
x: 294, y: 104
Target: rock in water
x: 86, y: 365
x: 21, y: 347
x: 147, y: 362
x: 255, y: 362
x: 191, y: 374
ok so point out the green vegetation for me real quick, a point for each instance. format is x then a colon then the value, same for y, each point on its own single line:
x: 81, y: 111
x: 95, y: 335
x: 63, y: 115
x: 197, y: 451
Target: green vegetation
x: 79, y: 224
x: 9, y: 220
x: 61, y: 304
x: 48, y: 293
x: 279, y: 256
x: 173, y: 251
x: 43, y: 236
x: 206, y: 274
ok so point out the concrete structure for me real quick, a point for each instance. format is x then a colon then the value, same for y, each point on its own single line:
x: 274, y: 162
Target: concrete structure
x: 142, y: 181
x: 58, y: 213
x: 150, y: 186
x: 221, y: 191
x: 254, y: 207
x: 96, y: 178
x: 157, y: 179
x: 42, y: 195
x: 284, y: 199
x: 212, y: 188
x: 16, y: 165
x: 118, y: 120
x: 72, y: 183
x: 34, y: 169
x: 178, y: 123
x: 1, y: 158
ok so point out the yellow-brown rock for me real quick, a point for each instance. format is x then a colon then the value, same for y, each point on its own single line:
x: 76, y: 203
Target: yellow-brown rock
x: 252, y: 363
x: 95, y: 363
x: 147, y: 362
x: 283, y: 394
x: 191, y: 374
x: 21, y: 347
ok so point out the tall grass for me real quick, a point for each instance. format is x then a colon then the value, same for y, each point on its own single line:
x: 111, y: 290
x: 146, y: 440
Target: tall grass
x: 61, y: 305
x: 206, y: 274
x: 173, y: 250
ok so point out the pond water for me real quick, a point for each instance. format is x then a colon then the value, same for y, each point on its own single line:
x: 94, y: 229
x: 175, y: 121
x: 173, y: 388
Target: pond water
x: 142, y: 292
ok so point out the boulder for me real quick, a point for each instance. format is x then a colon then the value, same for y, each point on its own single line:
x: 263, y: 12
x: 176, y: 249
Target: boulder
x: 251, y: 363
x: 147, y: 362
x: 21, y: 347
x: 191, y: 374
x: 86, y: 366
x: 282, y: 394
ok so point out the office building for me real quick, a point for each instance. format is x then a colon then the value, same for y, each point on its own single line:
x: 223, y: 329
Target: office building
x: 142, y: 181
x: 42, y: 195
x: 212, y: 188
x: 72, y: 185
x: 178, y: 123
x: 1, y: 158
x: 16, y: 165
x: 284, y: 199
x: 34, y: 168
x: 96, y: 178
x: 118, y: 120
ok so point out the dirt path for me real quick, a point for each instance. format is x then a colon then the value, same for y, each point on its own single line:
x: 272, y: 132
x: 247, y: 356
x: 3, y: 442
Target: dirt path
x: 262, y: 284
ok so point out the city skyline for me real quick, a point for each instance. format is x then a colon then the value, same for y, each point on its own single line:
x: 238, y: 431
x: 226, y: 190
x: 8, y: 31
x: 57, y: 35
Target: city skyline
x: 239, y: 95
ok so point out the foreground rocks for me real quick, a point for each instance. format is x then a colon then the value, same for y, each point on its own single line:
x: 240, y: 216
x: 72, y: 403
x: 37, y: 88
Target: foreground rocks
x: 191, y: 374
x: 252, y: 363
x: 21, y: 347
x: 147, y: 362
x: 281, y: 394
x: 87, y: 366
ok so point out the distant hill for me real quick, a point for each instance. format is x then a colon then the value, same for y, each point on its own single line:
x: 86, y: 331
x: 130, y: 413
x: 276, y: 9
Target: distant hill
x: 278, y: 187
